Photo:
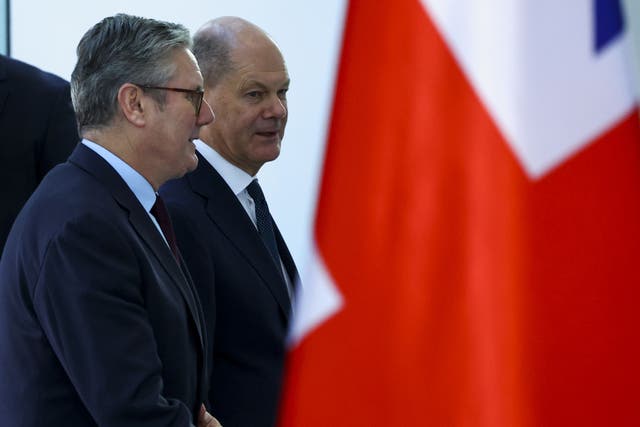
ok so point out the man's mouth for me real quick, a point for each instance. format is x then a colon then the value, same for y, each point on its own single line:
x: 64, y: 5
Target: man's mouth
x: 268, y: 134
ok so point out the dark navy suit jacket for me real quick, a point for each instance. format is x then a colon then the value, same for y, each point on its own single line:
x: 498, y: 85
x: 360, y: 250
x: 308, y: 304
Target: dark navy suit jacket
x: 243, y: 295
x: 99, y: 325
x: 37, y: 131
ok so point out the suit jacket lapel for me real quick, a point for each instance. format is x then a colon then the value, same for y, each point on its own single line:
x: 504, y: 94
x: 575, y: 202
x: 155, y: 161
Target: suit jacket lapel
x: 225, y: 210
x: 148, y: 231
x: 286, y: 257
x: 91, y: 162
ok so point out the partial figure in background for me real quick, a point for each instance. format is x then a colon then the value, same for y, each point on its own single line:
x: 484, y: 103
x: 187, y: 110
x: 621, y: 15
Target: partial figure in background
x: 37, y: 131
x: 100, y: 323
x: 237, y: 257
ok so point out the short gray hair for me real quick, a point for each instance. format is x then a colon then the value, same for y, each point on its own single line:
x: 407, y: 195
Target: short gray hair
x: 117, y: 50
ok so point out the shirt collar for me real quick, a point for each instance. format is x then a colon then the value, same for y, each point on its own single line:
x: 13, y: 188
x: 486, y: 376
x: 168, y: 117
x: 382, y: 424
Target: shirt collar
x: 236, y: 178
x: 140, y: 187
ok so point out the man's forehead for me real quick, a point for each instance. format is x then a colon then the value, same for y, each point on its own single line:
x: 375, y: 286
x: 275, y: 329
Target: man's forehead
x: 263, y: 78
x: 260, y: 52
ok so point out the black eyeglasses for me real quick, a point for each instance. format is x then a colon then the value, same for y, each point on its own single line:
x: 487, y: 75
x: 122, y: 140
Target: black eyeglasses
x: 195, y: 98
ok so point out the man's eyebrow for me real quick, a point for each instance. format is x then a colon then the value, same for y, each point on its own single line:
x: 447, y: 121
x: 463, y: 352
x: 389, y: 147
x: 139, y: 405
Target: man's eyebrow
x: 260, y: 84
x: 253, y: 82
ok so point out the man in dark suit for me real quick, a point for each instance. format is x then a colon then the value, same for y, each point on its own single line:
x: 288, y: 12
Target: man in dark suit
x: 239, y: 262
x: 37, y: 131
x: 99, y: 321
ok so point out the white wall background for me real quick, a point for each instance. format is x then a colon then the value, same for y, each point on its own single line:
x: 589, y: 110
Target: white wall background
x: 46, y: 32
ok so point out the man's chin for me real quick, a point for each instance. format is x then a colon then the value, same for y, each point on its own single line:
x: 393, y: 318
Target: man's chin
x: 271, y: 151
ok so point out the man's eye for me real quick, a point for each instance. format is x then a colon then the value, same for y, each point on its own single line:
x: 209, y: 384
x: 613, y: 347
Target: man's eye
x: 254, y: 94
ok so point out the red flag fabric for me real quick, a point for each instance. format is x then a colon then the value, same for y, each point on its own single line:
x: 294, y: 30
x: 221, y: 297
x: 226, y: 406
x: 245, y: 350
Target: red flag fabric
x: 479, y: 280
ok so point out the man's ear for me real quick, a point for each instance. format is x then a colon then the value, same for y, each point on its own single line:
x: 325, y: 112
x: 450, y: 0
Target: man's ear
x: 134, y: 104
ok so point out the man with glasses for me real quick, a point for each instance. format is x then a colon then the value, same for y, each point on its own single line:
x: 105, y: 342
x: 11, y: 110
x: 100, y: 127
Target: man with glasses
x: 100, y: 323
x: 238, y: 259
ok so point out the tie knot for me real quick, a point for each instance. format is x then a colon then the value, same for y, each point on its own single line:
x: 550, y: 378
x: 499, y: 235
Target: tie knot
x: 159, y: 209
x: 255, y: 191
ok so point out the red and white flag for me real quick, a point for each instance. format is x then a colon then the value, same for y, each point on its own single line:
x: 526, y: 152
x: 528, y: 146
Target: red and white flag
x: 477, y: 241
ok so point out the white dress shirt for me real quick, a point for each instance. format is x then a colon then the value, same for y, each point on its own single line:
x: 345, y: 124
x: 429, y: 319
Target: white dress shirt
x: 237, y: 180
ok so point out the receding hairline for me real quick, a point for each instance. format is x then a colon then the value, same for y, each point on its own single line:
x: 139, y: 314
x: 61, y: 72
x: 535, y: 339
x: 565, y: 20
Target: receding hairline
x: 230, y: 28
x: 230, y: 34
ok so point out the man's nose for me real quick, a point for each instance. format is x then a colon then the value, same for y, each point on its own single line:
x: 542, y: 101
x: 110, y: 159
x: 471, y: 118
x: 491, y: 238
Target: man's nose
x: 206, y: 115
x: 277, y: 108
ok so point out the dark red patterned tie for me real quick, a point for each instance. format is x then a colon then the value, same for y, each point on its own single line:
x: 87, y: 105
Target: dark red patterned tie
x: 159, y: 211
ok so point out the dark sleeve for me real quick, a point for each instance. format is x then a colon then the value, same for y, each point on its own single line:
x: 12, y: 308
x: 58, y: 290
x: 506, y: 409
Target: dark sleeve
x: 61, y: 133
x: 89, y: 299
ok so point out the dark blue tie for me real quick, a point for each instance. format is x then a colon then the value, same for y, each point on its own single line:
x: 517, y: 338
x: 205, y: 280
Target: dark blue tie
x: 264, y: 221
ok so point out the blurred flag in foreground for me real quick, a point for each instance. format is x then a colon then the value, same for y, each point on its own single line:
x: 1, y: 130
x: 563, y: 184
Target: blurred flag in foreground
x: 477, y: 241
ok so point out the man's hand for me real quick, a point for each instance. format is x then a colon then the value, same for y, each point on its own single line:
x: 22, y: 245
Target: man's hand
x: 205, y: 419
